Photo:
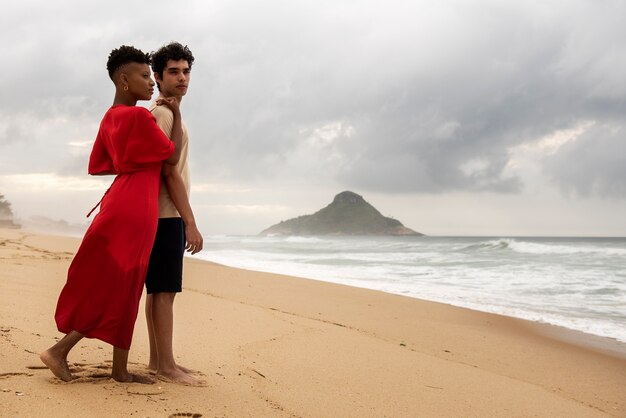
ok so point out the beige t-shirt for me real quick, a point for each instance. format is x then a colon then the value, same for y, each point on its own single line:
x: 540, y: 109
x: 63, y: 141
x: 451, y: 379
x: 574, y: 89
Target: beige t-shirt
x: 165, y: 120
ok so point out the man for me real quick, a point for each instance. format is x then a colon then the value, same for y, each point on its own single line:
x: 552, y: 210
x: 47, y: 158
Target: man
x: 177, y: 229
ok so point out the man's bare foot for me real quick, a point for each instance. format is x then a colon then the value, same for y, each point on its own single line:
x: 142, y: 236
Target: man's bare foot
x: 57, y: 365
x: 186, y: 370
x: 183, y: 369
x: 178, y: 376
x: 132, y: 378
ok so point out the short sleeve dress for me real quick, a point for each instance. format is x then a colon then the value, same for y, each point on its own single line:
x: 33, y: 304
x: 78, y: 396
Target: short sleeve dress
x: 105, y: 280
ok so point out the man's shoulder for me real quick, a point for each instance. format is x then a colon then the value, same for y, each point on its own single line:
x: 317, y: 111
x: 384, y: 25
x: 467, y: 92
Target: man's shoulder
x: 161, y: 111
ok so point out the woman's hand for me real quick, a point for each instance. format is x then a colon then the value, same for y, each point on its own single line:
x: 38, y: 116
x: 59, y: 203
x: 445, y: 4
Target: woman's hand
x: 170, y: 102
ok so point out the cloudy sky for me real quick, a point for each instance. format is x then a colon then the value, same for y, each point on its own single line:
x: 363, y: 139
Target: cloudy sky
x: 457, y: 117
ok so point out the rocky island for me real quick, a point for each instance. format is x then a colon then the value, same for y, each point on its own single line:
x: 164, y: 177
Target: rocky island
x: 348, y: 214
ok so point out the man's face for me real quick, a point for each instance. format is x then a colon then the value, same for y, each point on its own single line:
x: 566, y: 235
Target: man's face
x: 175, y: 78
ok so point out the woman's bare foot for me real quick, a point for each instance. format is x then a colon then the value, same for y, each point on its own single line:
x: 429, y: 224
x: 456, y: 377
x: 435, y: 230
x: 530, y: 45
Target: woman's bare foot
x: 57, y: 365
x: 132, y: 378
x: 176, y: 375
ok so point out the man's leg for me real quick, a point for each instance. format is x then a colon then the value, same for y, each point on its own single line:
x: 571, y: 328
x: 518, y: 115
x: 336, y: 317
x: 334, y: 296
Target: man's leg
x: 153, y: 363
x: 158, y: 271
x: 56, y: 356
x: 163, y: 323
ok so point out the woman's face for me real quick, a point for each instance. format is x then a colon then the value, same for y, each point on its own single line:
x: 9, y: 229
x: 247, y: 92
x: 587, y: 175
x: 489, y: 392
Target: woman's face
x: 139, y: 81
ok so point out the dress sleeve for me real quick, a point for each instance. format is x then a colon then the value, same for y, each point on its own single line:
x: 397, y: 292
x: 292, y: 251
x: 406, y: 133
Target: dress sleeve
x: 100, y: 161
x: 146, y: 143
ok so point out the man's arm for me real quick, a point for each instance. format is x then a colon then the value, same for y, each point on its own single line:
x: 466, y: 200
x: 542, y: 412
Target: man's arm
x: 178, y: 193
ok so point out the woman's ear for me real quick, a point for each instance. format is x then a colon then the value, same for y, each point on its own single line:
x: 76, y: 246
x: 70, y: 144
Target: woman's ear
x: 123, y: 81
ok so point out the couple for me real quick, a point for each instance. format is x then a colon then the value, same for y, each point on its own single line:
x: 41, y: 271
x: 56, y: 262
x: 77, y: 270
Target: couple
x: 145, y: 222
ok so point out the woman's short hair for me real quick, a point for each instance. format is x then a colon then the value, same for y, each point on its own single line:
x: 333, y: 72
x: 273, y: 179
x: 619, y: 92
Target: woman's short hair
x: 124, y: 55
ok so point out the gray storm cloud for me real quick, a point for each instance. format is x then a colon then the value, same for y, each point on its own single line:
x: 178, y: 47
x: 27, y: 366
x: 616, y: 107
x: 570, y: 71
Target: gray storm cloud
x: 595, y: 163
x: 435, y: 105
x: 398, y: 97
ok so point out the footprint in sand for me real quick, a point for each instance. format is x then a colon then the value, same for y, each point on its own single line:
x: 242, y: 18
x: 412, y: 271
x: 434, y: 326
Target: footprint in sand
x: 95, y: 373
x: 35, y: 252
x: 11, y: 374
x: 146, y: 390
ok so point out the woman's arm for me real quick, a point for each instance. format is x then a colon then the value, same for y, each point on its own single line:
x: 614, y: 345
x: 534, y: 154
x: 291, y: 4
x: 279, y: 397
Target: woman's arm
x: 178, y: 193
x: 104, y: 173
x: 177, y: 128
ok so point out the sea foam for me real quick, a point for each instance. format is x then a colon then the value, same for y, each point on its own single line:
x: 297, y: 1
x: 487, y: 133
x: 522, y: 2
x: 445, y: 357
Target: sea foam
x: 577, y: 283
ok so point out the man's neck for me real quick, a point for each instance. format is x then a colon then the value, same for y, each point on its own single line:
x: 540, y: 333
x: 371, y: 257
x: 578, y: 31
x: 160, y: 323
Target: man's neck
x: 179, y: 99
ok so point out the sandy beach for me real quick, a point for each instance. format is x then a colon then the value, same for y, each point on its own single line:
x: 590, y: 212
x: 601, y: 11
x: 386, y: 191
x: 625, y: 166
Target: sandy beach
x: 277, y: 346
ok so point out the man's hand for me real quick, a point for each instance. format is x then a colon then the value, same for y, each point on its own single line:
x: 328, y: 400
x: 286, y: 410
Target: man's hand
x: 194, y: 239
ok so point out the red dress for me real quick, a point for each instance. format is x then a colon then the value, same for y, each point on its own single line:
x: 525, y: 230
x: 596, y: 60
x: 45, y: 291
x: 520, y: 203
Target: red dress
x: 106, y: 278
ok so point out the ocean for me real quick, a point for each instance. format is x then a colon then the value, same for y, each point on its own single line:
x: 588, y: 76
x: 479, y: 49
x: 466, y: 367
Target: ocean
x: 577, y: 283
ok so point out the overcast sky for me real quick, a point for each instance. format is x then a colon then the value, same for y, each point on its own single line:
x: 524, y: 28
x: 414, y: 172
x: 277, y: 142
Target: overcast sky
x: 455, y: 117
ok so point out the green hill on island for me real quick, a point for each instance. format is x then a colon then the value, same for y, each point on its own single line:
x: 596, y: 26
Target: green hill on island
x: 348, y: 214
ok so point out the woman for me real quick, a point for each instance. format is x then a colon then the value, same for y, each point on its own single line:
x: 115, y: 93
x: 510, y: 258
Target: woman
x: 106, y: 278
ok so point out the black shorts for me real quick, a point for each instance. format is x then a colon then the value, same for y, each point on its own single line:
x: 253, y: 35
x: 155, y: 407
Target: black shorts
x: 165, y: 271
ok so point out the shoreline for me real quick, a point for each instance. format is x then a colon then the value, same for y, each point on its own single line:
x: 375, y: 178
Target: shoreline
x: 607, y: 345
x: 485, y: 290
x: 575, y: 336
x: 610, y: 345
x: 271, y: 345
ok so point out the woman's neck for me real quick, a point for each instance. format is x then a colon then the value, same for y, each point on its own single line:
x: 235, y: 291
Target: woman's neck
x: 123, y: 99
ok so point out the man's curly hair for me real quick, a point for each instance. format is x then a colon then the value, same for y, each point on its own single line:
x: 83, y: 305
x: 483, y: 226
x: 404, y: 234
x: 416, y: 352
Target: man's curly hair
x: 172, y: 51
x: 125, y: 55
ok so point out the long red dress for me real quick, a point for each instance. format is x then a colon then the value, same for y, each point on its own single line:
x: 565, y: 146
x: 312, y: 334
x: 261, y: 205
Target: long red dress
x: 106, y: 278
